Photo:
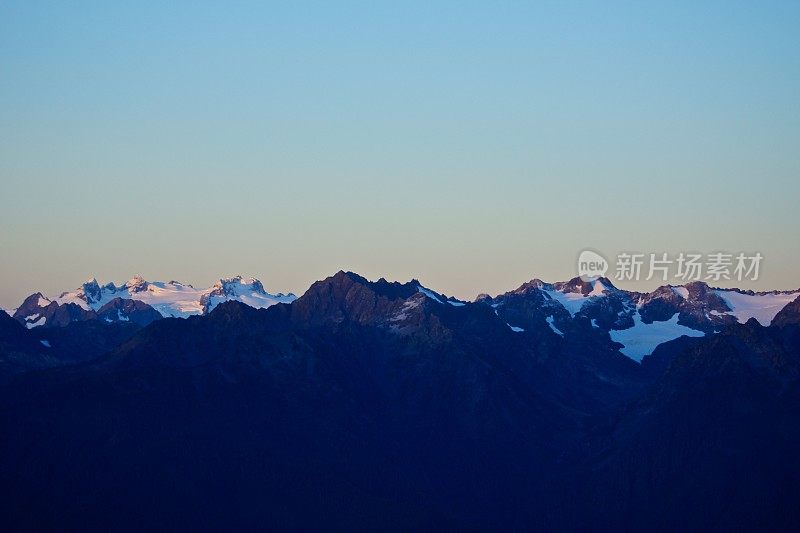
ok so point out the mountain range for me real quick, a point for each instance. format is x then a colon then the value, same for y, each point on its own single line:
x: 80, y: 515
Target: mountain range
x: 374, y: 404
x: 637, y: 321
x: 141, y: 301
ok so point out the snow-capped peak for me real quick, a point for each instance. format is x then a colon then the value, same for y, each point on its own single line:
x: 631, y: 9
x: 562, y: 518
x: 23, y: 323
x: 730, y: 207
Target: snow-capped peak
x: 238, y: 284
x: 594, y: 287
x: 171, y: 299
x: 136, y: 284
x: 246, y: 290
x: 573, y: 294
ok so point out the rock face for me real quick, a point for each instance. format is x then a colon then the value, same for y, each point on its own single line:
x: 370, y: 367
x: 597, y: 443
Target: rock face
x: 37, y: 310
x: 349, y: 297
x: 699, y: 306
x: 123, y: 310
x: 365, y: 405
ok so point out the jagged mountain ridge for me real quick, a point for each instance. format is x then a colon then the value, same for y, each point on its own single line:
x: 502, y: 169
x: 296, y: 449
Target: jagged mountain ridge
x: 153, y: 300
x: 370, y: 403
x: 365, y: 382
x: 636, y: 322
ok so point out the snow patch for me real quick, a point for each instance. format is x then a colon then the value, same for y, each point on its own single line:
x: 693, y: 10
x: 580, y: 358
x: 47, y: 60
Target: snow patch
x: 598, y: 289
x: 551, y: 323
x: 429, y: 293
x: 683, y: 292
x: 571, y: 301
x: 642, y: 339
x: 762, y: 307
x: 31, y: 325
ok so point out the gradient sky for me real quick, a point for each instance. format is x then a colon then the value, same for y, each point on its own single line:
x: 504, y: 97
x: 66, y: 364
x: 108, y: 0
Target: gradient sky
x: 472, y: 145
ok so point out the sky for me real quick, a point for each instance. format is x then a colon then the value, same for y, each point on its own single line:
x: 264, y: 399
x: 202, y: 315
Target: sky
x: 471, y: 145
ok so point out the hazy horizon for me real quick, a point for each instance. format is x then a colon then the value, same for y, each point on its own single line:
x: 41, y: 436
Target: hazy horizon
x: 472, y: 147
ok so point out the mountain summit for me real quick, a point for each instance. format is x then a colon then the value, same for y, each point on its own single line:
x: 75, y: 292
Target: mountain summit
x: 167, y: 299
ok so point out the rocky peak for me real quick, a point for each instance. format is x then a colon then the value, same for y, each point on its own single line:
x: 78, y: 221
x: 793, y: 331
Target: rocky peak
x: 90, y: 291
x: 35, y: 300
x: 594, y: 287
x: 346, y: 296
x: 697, y: 289
x: 532, y: 285
x: 136, y: 284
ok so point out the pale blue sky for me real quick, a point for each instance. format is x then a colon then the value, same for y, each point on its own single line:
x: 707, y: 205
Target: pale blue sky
x: 472, y: 145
